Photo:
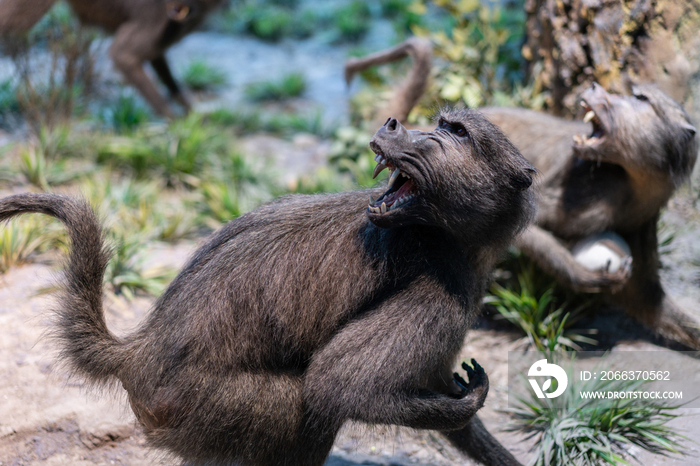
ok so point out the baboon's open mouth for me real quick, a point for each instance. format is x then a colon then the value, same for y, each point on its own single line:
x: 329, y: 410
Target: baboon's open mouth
x: 598, y: 132
x: 401, y: 190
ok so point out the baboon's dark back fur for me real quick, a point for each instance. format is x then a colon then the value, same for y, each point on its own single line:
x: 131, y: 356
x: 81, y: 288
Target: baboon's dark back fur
x: 303, y: 313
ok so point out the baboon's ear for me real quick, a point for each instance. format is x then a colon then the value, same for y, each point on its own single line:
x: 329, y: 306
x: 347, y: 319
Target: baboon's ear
x: 177, y: 10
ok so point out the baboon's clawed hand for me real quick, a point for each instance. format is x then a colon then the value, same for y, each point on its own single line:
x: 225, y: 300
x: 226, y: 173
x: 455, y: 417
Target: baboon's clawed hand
x: 314, y: 310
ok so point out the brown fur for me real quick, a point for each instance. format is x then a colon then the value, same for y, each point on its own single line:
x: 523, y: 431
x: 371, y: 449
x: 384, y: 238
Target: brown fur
x: 313, y: 310
x: 143, y: 30
x: 619, y: 185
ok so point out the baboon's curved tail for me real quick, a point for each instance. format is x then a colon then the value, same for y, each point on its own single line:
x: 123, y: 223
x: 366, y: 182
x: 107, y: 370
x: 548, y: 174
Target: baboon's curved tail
x: 92, y: 351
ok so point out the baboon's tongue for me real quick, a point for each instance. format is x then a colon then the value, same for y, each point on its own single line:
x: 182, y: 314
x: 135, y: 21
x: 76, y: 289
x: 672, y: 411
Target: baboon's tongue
x: 404, y: 189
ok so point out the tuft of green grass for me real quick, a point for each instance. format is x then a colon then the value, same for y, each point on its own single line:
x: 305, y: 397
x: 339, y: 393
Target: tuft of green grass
x: 352, y: 21
x: 125, y: 115
x: 284, y: 124
x: 323, y: 180
x: 142, y: 208
x: 270, y: 23
x: 42, y: 163
x: 19, y: 239
x: 200, y: 76
x: 546, y: 326
x: 595, y: 432
x: 242, y: 184
x: 178, y: 152
x: 289, y: 86
x: 127, y: 274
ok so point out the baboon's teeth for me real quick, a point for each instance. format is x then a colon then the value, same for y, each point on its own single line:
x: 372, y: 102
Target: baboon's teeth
x: 394, y: 175
x: 378, y: 169
x: 400, y: 201
x: 379, y: 158
x: 589, y: 116
x: 578, y: 139
x: 383, y: 207
x: 371, y: 200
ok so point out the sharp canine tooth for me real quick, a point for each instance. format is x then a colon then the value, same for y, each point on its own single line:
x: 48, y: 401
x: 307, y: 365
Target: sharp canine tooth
x: 378, y: 169
x: 383, y: 208
x: 371, y: 200
x: 589, y: 116
x: 395, y: 174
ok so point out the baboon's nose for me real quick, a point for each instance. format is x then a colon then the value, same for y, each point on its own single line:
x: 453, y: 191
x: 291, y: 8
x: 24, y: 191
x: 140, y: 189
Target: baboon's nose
x: 392, y: 124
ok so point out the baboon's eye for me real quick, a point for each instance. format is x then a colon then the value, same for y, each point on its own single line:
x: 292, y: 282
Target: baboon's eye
x: 460, y: 131
x: 444, y: 125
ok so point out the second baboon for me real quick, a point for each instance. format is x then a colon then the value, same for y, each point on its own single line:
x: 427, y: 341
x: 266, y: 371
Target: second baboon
x: 640, y: 149
x: 143, y: 30
x: 313, y: 310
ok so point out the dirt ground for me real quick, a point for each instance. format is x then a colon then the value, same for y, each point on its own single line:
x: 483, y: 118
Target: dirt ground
x: 47, y: 418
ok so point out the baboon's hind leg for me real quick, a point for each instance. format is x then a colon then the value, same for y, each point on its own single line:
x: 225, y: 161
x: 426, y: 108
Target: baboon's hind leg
x: 478, y: 443
x: 644, y: 298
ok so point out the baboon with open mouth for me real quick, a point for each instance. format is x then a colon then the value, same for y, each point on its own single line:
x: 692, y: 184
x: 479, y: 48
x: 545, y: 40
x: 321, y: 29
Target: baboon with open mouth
x: 617, y: 179
x: 313, y: 310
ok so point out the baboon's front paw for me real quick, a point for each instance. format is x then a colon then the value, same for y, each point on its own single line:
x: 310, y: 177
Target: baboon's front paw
x: 614, y: 281
x: 478, y: 385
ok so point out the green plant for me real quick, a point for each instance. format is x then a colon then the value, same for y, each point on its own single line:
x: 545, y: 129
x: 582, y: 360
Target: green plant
x: 546, y: 326
x: 142, y: 208
x: 352, y: 21
x: 126, y: 114
x: 41, y: 163
x: 480, y: 49
x: 177, y: 152
x: 350, y: 153
x: 201, y: 76
x: 18, y: 240
x: 594, y: 431
x: 292, y: 123
x: 126, y: 273
x: 290, y: 85
x: 240, y: 186
x: 323, y: 180
x: 269, y: 22
x: 284, y: 124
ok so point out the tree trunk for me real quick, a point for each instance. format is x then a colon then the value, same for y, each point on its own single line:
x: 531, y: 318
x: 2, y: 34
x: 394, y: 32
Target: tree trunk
x: 611, y: 42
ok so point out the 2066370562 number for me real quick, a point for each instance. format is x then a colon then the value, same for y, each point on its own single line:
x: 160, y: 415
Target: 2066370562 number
x: 635, y: 375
